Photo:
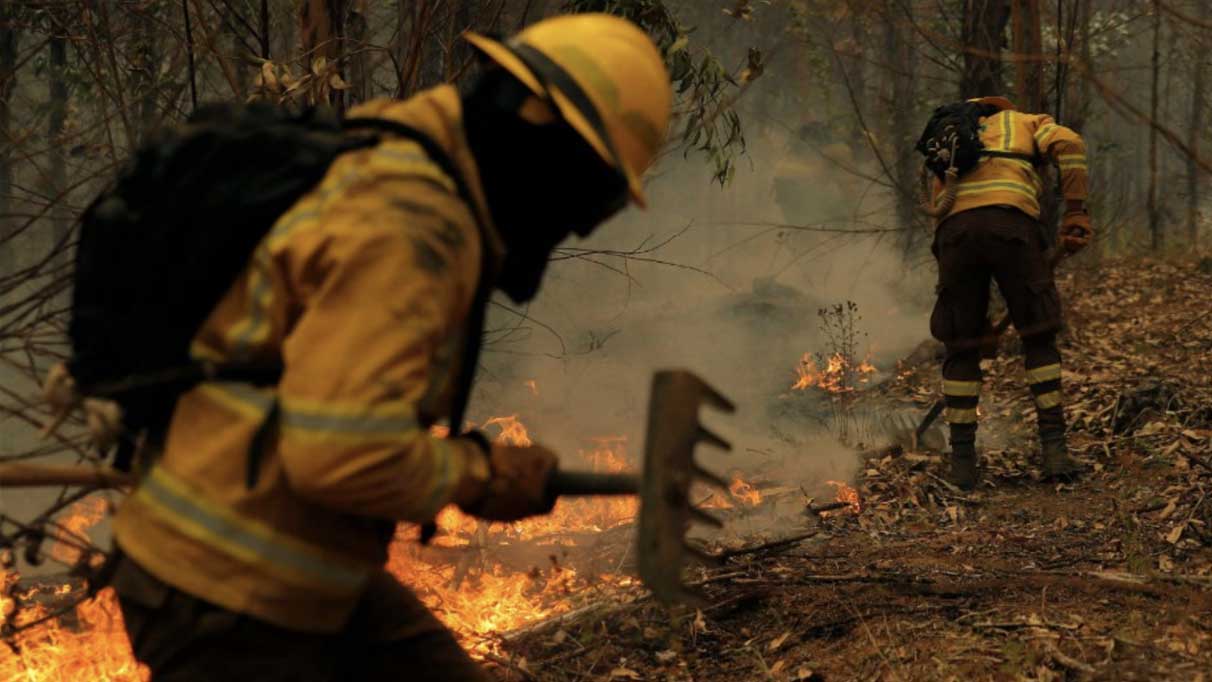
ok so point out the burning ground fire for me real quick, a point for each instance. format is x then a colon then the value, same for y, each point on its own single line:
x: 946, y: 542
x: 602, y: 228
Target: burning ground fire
x: 847, y: 494
x: 839, y: 375
x: 462, y: 576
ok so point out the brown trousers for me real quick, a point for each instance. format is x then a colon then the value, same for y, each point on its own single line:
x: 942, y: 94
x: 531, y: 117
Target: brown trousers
x: 1007, y: 246
x: 391, y: 636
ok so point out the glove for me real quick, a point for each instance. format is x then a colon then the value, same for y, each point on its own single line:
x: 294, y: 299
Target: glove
x: 517, y: 484
x: 1075, y: 230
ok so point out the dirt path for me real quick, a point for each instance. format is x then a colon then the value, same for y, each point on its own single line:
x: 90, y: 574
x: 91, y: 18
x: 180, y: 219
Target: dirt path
x: 1109, y: 578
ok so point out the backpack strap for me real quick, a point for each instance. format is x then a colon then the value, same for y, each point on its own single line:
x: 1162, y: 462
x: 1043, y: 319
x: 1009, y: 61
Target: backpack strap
x: 997, y: 154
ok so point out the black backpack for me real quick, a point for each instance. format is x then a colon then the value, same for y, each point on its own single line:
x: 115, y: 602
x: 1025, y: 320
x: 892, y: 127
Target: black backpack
x: 953, y: 137
x: 161, y: 246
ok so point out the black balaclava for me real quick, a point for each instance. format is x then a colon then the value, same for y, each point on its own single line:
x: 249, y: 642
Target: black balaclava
x: 542, y: 182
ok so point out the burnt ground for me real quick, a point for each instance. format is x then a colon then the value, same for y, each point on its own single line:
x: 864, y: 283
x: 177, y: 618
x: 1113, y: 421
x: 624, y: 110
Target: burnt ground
x: 1108, y: 578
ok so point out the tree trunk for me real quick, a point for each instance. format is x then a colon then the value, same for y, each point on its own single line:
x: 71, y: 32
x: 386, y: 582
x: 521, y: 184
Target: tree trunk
x: 321, y: 32
x: 857, y: 70
x: 1155, y: 225
x: 984, y: 23
x: 1195, y: 127
x: 56, y: 119
x: 1028, y: 51
x: 903, y: 56
x: 9, y: 40
x: 357, y: 28
x: 147, y: 69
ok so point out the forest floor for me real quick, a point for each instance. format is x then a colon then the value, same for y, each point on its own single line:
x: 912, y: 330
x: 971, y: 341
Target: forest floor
x: 1106, y: 578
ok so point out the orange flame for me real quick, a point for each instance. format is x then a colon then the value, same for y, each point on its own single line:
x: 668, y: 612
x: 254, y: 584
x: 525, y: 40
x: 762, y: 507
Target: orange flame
x: 93, y: 647
x: 838, y: 376
x: 739, y: 492
x: 847, y: 494
x: 747, y: 494
x: 474, y: 602
x: 533, y: 386
x: 73, y: 526
x: 493, y: 599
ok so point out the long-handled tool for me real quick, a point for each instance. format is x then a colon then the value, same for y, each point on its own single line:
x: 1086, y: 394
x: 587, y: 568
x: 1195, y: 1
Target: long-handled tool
x: 664, y: 486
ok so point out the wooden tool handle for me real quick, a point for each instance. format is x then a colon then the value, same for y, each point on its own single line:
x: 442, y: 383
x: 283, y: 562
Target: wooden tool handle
x: 570, y: 483
x: 24, y: 475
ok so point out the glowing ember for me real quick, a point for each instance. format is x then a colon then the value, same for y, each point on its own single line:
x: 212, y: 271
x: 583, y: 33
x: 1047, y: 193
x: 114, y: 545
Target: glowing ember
x: 73, y: 527
x: 745, y: 493
x: 847, y: 494
x: 533, y: 386
x: 512, y: 430
x: 740, y: 493
x: 838, y: 376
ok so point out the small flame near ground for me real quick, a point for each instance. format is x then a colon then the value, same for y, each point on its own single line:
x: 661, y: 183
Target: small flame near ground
x: 840, y: 375
x: 847, y: 494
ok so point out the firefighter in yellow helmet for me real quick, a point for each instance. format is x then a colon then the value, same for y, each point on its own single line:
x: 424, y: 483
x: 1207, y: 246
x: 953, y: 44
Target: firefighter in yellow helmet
x: 370, y: 291
x: 989, y: 229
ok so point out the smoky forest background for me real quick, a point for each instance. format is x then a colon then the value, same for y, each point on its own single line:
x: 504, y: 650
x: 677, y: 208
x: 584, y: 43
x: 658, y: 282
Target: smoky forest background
x: 784, y: 259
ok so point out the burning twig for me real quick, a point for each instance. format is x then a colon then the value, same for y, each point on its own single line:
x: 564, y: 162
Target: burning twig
x: 832, y: 506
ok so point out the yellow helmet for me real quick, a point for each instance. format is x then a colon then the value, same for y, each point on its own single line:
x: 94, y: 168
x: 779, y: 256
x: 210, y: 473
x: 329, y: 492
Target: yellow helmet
x: 604, y: 75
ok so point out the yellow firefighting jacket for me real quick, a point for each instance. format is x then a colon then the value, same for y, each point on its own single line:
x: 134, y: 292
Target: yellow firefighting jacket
x: 361, y: 291
x: 1016, y: 182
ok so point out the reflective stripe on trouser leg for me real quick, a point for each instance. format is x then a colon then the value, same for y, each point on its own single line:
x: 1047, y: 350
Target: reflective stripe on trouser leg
x: 1044, y: 383
x: 961, y: 399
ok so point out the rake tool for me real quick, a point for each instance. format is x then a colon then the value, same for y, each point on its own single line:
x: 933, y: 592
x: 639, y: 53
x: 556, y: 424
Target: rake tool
x: 664, y: 488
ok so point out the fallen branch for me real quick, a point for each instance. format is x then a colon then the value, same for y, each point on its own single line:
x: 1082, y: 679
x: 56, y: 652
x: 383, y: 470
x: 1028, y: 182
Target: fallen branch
x: 1066, y: 661
x: 832, y: 506
x: 784, y: 543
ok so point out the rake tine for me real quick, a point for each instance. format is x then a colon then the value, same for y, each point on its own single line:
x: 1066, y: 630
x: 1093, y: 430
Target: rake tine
x: 710, y: 438
x: 703, y: 557
x: 710, y: 477
x: 715, y: 398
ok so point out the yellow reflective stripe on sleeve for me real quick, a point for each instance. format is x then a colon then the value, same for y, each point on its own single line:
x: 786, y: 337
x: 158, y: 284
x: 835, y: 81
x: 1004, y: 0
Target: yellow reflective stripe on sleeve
x: 955, y: 415
x: 1038, y: 375
x: 965, y: 389
x: 1048, y: 400
x: 243, y: 399
x: 1007, y: 131
x: 253, y: 328
x: 1044, y: 134
x: 248, y: 540
x: 349, y: 423
x: 1071, y: 161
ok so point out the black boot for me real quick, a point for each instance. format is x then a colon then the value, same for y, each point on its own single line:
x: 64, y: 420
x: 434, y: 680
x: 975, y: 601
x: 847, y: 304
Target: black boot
x: 964, y: 473
x: 1057, y: 464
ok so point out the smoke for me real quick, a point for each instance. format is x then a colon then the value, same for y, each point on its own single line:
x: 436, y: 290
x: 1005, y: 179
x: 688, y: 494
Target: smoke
x: 732, y: 294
